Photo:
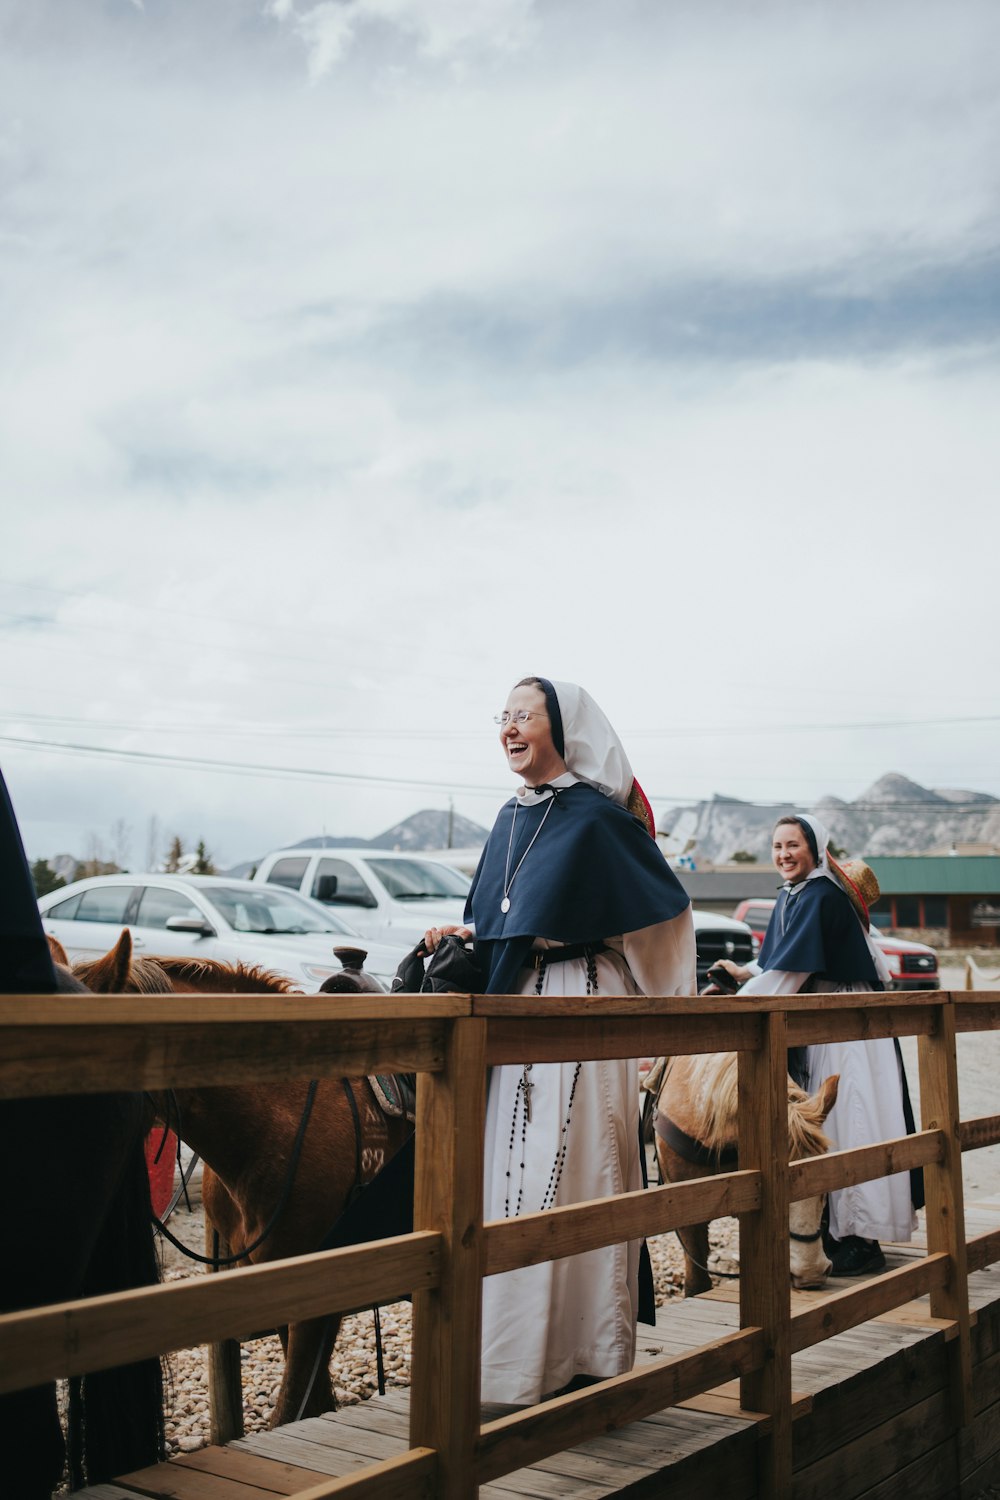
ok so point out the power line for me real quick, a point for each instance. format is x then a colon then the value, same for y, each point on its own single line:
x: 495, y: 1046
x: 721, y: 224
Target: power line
x: 305, y: 773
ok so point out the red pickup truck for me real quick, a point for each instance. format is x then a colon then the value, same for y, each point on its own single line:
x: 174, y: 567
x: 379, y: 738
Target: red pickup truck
x: 913, y: 966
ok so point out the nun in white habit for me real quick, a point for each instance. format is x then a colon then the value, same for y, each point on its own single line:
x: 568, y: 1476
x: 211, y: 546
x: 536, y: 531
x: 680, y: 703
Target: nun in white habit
x: 572, y: 897
x: 818, y: 940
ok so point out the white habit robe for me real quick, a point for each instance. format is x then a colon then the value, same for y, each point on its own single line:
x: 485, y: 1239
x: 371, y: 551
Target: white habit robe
x: 869, y: 1108
x: 544, y: 1324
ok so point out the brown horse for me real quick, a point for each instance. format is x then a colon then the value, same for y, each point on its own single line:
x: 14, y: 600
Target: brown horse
x: 245, y: 1134
x: 696, y: 1137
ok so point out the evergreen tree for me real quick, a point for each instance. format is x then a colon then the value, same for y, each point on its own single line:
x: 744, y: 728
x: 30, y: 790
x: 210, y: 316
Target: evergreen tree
x: 174, y: 855
x: 44, y: 878
x: 203, y: 861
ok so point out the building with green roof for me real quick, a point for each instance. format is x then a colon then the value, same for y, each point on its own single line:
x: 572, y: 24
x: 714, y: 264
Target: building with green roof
x: 955, y: 894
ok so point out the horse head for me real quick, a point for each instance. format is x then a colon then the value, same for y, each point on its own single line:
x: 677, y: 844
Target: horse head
x: 119, y: 973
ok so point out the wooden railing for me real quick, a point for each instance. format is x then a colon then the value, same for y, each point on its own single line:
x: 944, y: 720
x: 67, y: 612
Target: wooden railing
x: 82, y: 1044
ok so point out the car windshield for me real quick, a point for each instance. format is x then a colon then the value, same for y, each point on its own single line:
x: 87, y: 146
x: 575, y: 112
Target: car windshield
x: 419, y: 879
x: 272, y: 909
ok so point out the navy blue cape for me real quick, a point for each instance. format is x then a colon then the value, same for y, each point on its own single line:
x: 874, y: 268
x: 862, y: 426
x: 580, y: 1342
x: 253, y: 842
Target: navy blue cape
x: 814, y: 930
x: 593, y: 873
x: 25, y: 961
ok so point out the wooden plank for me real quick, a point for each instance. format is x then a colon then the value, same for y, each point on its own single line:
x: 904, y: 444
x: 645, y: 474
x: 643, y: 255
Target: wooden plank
x: 270, y: 1474
x: 945, y: 1218
x: 809, y: 1028
x: 531, y: 1238
x: 820, y: 1174
x: 412, y: 1476
x: 171, y: 1481
x: 412, y: 1471
x: 983, y: 1131
x: 225, y: 1371
x: 983, y: 1250
x: 524, y: 1437
x: 448, y: 1200
x: 764, y: 1254
x: 844, y: 1310
x: 214, y: 1009
x: 718, y: 1009
x: 979, y: 1012
x: 71, y: 1338
x: 853, y: 1467
x: 143, y: 1054
x: 519, y: 1039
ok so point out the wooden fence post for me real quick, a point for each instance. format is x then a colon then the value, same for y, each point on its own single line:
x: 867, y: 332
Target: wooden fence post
x: 765, y: 1300
x: 448, y: 1198
x: 225, y: 1376
x: 939, y: 1110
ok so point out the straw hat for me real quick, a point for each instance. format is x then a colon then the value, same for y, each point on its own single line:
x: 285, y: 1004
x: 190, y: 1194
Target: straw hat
x: 861, y: 884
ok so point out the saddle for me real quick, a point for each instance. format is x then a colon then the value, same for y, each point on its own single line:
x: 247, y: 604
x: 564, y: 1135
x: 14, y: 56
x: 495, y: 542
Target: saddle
x: 395, y: 1094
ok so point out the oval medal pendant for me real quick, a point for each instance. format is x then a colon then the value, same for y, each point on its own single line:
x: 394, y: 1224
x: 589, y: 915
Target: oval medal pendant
x: 505, y: 904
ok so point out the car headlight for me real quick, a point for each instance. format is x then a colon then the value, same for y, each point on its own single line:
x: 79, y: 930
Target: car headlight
x: 319, y: 972
x: 754, y: 944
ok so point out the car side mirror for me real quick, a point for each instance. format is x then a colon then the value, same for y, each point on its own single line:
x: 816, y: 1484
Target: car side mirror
x: 326, y: 887
x: 199, y: 926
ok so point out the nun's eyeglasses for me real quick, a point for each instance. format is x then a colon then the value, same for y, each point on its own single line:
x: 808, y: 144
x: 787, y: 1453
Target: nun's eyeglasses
x: 519, y: 716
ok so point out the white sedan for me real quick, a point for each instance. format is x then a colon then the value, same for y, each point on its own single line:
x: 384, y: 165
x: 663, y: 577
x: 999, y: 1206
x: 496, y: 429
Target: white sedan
x: 209, y: 916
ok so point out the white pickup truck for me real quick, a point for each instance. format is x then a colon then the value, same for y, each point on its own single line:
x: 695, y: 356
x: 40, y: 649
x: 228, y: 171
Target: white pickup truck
x: 394, y: 898
x: 387, y: 897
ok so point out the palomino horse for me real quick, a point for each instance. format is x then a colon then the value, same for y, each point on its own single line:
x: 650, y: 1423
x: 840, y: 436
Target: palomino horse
x: 246, y: 1136
x: 74, y: 1167
x: 696, y: 1137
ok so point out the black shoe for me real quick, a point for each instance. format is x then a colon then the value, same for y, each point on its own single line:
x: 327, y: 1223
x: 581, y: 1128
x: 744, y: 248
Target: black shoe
x: 854, y: 1256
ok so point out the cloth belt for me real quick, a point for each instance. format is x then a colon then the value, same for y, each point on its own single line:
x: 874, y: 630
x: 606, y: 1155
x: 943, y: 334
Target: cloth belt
x: 549, y: 956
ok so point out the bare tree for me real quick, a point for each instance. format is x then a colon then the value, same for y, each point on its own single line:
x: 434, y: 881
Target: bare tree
x: 153, y: 843
x: 121, y: 843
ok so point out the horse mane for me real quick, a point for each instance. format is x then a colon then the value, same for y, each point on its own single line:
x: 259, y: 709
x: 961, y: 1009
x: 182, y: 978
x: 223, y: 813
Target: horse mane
x: 145, y: 976
x: 231, y: 979
x: 713, y: 1085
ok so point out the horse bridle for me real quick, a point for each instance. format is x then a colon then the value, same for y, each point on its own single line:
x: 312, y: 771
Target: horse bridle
x: 218, y: 1261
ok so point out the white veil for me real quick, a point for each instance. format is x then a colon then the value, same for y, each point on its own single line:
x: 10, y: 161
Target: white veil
x: 593, y: 751
x: 822, y: 837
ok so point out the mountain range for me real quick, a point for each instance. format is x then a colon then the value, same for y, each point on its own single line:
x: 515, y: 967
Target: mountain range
x: 428, y: 829
x: 894, y: 816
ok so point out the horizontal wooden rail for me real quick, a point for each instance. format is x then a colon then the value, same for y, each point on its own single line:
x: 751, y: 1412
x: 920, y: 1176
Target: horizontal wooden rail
x: 983, y: 1250
x: 525, y: 1437
x: 583, y: 1038
x: 838, y: 1169
x: 532, y: 1238
x: 858, y: 1304
x: 976, y: 1012
x: 842, y: 1023
x: 70, y: 1338
x: 983, y: 1131
x: 70, y: 1056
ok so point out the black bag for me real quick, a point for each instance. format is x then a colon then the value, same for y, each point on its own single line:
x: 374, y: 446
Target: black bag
x: 453, y: 970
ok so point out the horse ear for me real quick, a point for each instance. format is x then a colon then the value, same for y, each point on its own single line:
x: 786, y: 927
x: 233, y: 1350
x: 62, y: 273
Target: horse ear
x: 827, y: 1096
x: 58, y: 952
x: 109, y: 975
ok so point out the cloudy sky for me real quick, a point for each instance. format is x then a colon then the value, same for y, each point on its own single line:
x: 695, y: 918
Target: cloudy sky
x: 359, y: 357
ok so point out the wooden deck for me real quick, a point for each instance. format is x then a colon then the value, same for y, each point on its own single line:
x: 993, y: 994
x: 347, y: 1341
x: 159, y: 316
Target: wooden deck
x: 870, y: 1409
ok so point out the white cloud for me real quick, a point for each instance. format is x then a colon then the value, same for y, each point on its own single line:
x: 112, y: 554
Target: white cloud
x: 651, y: 346
x: 444, y: 30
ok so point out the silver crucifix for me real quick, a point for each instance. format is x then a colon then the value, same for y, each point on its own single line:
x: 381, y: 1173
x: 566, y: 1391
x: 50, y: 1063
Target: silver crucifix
x: 526, y: 1086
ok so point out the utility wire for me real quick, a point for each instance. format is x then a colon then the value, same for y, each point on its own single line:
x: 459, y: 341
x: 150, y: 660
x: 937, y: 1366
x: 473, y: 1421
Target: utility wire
x: 305, y: 773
